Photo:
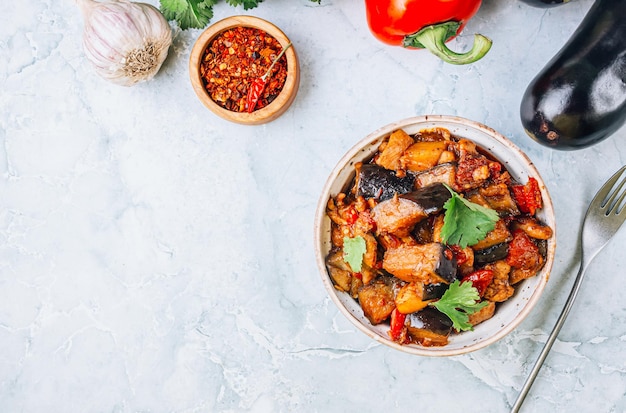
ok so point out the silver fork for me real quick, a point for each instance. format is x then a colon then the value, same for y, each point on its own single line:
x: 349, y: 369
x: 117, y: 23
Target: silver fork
x: 602, y: 220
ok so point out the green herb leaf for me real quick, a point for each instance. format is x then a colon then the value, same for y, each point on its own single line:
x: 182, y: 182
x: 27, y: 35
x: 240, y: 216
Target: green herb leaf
x: 353, y: 251
x: 247, y: 4
x: 458, y: 302
x: 466, y: 223
x: 194, y: 14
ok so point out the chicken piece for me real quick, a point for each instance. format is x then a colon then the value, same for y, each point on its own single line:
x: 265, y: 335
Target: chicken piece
x: 398, y: 142
x: 473, y: 168
x: 399, y: 214
x: 483, y: 314
x: 532, y: 228
x: 428, y: 263
x: 520, y: 274
x: 500, y: 289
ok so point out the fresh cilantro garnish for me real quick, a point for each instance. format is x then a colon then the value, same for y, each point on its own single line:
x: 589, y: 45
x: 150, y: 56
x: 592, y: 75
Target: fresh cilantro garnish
x: 458, y: 302
x: 353, y: 251
x: 466, y: 223
x: 196, y: 14
x: 247, y: 4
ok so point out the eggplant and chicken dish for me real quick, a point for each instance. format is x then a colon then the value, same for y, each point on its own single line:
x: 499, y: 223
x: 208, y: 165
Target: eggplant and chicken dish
x: 432, y: 234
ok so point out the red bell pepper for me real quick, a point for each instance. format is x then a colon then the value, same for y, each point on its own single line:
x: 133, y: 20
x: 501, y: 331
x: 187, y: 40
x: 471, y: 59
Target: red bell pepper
x: 426, y: 24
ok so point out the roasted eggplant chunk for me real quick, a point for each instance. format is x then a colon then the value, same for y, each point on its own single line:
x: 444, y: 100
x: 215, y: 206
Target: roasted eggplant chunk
x: 444, y: 173
x: 399, y: 214
x: 432, y: 291
x: 429, y: 327
x: 374, y: 181
x: 431, y: 263
x: 377, y: 299
x: 430, y: 198
x: 341, y: 274
x: 491, y: 254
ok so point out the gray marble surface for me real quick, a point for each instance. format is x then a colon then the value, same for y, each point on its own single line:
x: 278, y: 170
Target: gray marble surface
x: 156, y: 258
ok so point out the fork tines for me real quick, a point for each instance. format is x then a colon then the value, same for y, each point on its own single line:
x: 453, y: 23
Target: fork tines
x: 613, y: 193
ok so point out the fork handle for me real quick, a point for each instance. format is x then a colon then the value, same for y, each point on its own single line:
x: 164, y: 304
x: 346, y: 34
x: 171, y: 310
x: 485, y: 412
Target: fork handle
x: 551, y: 339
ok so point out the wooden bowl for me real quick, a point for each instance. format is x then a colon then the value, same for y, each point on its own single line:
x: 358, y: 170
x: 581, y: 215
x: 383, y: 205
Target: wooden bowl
x: 266, y: 114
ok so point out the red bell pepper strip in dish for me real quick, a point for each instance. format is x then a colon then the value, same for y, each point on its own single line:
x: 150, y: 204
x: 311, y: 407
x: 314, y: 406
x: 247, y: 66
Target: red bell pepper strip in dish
x: 396, y: 329
x: 426, y: 24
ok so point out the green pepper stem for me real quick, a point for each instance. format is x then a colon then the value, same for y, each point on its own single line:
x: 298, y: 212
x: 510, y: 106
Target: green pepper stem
x: 434, y: 38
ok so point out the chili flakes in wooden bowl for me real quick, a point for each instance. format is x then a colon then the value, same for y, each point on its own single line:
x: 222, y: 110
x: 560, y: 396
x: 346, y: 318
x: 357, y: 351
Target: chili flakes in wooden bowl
x: 234, y: 59
x: 232, y: 74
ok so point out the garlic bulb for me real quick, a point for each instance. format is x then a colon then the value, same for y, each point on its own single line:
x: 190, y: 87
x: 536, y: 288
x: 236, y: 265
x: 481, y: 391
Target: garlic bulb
x: 126, y: 42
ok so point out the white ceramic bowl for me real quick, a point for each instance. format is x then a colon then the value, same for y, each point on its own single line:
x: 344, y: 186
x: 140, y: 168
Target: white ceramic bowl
x: 508, y: 314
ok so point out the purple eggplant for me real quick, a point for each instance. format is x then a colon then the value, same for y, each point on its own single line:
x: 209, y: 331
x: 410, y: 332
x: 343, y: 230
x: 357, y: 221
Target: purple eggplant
x: 373, y: 181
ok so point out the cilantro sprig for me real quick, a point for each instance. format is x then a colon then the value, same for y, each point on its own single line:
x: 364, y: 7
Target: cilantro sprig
x: 196, y: 14
x: 353, y: 251
x: 458, y: 302
x: 466, y: 223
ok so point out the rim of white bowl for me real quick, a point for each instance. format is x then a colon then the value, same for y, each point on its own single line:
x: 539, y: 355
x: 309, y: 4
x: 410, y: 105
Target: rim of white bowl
x: 509, y: 314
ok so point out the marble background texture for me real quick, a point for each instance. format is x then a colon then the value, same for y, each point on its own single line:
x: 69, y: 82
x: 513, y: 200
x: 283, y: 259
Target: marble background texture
x: 156, y: 258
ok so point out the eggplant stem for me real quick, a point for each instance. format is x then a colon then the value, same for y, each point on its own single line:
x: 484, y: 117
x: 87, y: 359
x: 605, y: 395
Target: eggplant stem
x: 434, y: 38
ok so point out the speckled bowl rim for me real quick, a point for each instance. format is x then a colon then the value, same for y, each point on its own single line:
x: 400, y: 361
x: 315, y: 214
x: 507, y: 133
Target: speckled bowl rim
x: 284, y: 99
x: 509, y: 314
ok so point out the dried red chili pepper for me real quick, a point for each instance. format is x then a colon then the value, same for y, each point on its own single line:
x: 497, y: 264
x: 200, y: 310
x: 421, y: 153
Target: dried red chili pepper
x: 459, y: 254
x: 528, y: 197
x: 258, y: 84
x: 480, y: 279
x: 523, y: 252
